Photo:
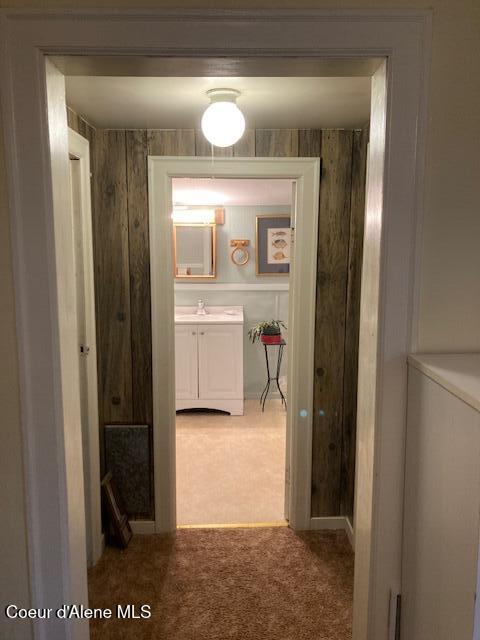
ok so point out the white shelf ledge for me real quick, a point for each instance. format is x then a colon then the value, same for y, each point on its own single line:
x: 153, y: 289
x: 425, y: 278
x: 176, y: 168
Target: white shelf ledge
x: 458, y: 373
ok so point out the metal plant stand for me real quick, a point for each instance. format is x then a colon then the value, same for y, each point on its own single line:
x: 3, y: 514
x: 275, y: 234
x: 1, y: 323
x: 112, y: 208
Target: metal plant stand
x: 263, y: 397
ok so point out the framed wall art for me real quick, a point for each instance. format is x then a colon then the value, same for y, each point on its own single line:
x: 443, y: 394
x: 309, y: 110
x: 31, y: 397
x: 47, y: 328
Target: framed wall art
x: 273, y: 237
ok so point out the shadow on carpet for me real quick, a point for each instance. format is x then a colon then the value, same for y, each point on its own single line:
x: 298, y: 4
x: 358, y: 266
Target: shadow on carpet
x: 222, y: 584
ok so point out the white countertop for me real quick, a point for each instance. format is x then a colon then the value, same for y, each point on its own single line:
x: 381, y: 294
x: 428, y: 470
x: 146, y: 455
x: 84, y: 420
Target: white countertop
x: 459, y: 373
x: 214, y: 315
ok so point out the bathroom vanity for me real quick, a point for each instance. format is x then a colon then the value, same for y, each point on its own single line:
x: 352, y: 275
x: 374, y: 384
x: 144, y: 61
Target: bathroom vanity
x: 209, y: 359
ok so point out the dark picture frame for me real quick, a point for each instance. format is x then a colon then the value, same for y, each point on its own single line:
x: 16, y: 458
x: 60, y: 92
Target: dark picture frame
x: 273, y: 244
x: 116, y: 512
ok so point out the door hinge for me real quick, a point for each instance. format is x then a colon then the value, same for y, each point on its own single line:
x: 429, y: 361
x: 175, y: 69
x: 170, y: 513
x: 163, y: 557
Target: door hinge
x: 84, y: 350
x: 395, y: 615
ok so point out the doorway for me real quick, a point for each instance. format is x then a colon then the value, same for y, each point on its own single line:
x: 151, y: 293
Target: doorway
x: 305, y: 173
x: 383, y: 404
x: 230, y: 386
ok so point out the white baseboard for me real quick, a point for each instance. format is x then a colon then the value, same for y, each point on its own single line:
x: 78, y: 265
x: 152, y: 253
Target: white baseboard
x: 350, y: 532
x: 142, y: 527
x: 329, y: 523
x: 317, y: 524
x: 147, y: 527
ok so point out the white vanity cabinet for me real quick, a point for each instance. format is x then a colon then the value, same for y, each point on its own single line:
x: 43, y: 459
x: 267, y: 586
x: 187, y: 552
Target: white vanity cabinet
x: 209, y: 359
x: 186, y: 361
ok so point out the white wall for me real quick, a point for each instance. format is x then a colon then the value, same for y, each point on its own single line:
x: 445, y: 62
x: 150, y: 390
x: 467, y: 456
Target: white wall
x: 14, y: 587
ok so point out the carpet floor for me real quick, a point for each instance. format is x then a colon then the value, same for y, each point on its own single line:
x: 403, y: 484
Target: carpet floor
x: 231, y: 469
x: 228, y: 584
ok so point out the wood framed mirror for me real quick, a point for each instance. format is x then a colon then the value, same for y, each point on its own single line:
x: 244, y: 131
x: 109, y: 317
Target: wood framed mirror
x: 194, y: 251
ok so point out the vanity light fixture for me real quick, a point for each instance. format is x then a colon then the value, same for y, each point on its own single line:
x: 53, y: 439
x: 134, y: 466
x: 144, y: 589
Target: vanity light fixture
x: 223, y: 123
x: 186, y: 215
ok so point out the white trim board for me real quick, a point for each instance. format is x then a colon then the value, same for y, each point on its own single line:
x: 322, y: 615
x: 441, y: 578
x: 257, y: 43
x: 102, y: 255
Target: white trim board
x: 231, y: 286
x: 336, y: 523
x: 306, y: 172
x: 393, y: 221
x: 350, y: 532
x: 142, y: 527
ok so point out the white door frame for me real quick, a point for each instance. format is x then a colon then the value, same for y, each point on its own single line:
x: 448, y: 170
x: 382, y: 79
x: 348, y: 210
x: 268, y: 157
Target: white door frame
x: 79, y: 148
x: 37, y: 152
x: 306, y: 171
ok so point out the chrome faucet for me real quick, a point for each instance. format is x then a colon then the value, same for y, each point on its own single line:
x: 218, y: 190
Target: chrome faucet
x: 201, y: 311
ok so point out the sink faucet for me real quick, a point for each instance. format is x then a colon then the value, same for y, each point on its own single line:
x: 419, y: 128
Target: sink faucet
x: 201, y: 311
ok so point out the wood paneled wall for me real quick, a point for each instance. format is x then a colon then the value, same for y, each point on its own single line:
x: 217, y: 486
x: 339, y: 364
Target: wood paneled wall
x: 122, y: 280
x: 339, y: 263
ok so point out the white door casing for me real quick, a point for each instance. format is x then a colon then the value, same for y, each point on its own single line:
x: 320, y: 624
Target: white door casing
x: 306, y: 171
x: 36, y: 145
x: 291, y: 306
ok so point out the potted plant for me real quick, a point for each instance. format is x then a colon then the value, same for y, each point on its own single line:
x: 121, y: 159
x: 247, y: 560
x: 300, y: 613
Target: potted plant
x: 269, y: 332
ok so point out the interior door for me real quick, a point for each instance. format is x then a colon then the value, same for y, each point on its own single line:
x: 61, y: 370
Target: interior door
x: 83, y: 348
x: 220, y: 361
x: 186, y: 362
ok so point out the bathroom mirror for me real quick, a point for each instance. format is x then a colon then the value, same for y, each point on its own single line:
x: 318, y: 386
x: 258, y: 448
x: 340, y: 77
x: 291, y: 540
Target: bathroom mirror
x: 194, y: 250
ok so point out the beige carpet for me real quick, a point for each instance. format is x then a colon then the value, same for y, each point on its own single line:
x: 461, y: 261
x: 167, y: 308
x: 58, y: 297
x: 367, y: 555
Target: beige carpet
x: 231, y: 469
x: 228, y: 584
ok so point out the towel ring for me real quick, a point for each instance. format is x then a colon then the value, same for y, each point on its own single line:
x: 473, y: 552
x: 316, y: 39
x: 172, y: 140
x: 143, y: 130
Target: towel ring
x: 240, y: 254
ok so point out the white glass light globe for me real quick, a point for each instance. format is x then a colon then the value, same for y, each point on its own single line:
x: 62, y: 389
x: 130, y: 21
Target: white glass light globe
x: 223, y: 123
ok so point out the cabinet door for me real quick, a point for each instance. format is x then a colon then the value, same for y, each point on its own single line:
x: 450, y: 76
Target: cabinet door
x: 186, y: 361
x: 220, y: 361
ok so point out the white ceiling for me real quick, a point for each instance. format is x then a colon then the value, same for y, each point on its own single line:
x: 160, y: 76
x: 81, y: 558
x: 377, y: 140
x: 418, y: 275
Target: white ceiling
x: 233, y: 192
x: 174, y: 102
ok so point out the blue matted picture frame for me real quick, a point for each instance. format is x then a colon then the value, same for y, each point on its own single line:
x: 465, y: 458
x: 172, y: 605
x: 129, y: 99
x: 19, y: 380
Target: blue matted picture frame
x: 273, y: 244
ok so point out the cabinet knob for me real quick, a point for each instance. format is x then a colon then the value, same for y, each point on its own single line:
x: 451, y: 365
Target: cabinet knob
x: 202, y: 333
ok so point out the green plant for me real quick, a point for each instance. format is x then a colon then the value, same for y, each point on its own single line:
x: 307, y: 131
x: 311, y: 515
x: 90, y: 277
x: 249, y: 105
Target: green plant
x: 271, y: 327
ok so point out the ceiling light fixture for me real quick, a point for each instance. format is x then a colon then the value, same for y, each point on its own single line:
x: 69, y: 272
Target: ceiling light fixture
x: 223, y: 123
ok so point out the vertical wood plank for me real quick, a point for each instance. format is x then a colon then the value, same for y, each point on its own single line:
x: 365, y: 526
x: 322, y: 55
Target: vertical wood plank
x: 72, y: 119
x: 355, y: 253
x: 309, y: 143
x: 82, y: 127
x: 204, y: 148
x: 139, y: 262
x: 77, y: 123
x: 112, y: 277
x: 171, y: 142
x: 276, y: 143
x: 245, y: 147
x: 333, y: 235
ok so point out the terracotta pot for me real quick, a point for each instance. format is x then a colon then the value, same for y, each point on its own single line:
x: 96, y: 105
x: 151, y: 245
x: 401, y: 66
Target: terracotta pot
x: 272, y: 339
